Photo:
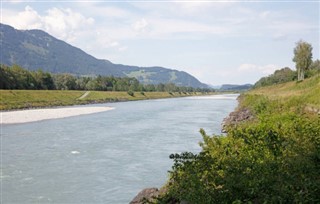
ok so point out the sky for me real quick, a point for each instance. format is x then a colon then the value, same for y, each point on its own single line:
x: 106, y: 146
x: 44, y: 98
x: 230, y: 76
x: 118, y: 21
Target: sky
x: 218, y: 42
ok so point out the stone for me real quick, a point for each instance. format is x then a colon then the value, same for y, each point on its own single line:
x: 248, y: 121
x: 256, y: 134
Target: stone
x: 236, y: 117
x: 146, y: 194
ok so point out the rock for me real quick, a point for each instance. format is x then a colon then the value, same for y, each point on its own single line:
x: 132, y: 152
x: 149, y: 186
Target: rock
x: 311, y: 109
x: 146, y: 194
x: 236, y: 117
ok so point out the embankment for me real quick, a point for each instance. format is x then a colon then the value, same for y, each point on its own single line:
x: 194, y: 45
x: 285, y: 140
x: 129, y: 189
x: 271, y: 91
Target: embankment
x: 270, y: 153
x: 27, y: 99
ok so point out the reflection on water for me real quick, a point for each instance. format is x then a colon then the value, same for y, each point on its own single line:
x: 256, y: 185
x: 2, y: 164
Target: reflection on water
x: 105, y: 157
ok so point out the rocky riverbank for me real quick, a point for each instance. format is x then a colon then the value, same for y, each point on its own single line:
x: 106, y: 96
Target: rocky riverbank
x: 236, y: 117
x: 147, y: 194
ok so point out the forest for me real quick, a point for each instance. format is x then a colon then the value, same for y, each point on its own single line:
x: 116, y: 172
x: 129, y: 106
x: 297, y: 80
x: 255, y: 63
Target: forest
x: 16, y: 77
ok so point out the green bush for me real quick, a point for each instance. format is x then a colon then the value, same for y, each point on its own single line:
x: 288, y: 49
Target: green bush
x: 275, y: 159
x: 131, y: 93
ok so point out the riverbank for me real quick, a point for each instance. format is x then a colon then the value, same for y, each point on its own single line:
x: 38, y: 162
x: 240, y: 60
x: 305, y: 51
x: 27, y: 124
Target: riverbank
x: 26, y: 116
x: 269, y: 154
x: 29, y: 99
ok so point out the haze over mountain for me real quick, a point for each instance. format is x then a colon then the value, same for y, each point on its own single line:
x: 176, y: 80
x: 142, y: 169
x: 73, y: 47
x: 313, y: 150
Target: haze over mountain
x: 36, y: 49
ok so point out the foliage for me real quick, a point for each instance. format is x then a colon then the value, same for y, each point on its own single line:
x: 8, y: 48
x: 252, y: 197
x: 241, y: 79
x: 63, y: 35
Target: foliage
x: 314, y: 69
x: 306, y: 68
x: 274, y: 159
x: 315, y: 65
x: 279, y: 76
x: 16, y: 77
x: 302, y: 58
x: 130, y: 93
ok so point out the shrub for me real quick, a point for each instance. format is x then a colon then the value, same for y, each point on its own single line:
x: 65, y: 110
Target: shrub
x: 273, y: 160
x: 131, y: 93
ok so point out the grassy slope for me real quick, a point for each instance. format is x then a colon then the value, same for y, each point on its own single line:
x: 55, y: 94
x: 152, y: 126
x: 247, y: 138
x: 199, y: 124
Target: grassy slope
x: 20, y: 99
x: 305, y: 93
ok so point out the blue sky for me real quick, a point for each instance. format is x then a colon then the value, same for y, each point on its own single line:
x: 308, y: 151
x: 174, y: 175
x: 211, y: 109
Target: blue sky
x: 216, y: 41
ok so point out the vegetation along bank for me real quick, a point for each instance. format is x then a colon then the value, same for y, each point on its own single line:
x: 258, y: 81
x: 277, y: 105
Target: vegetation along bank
x: 271, y: 150
x: 21, y: 88
x: 272, y: 158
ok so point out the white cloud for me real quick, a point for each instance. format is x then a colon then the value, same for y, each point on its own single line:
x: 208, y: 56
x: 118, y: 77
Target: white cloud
x: 279, y: 36
x: 265, y: 14
x: 141, y: 25
x: 61, y: 23
x: 264, y: 69
x: 65, y: 23
x: 106, y: 29
x: 123, y: 48
x: 27, y: 19
x: 68, y: 25
x: 162, y: 28
x: 104, y: 41
x: 247, y: 67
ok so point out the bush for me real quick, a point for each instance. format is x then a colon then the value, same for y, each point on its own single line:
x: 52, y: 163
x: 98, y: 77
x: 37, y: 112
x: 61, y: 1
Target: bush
x: 273, y: 160
x: 131, y: 93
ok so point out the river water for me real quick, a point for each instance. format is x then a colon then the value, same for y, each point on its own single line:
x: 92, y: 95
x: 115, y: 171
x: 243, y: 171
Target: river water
x: 105, y: 157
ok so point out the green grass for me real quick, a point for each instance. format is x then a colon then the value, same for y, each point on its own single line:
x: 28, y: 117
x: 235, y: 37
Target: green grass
x: 21, y: 99
x: 304, y: 93
x: 274, y: 158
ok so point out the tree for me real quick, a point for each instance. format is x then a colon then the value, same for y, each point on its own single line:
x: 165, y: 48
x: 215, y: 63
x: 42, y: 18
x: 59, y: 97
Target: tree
x: 315, y: 65
x: 302, y: 58
x: 65, y: 82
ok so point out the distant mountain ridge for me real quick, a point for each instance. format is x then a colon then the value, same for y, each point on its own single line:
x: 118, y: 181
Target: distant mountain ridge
x: 36, y: 49
x: 235, y: 87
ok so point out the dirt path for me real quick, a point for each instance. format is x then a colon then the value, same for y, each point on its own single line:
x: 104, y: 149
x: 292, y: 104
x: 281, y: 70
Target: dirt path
x: 84, y: 95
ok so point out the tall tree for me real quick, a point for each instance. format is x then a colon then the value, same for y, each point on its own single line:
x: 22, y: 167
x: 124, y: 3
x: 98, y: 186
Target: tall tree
x: 302, y: 58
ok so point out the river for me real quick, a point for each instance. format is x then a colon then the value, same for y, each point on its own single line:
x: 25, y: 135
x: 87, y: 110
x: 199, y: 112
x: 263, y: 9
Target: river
x: 105, y: 157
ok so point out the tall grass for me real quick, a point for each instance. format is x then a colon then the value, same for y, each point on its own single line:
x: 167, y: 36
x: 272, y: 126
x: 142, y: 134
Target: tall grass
x: 21, y: 99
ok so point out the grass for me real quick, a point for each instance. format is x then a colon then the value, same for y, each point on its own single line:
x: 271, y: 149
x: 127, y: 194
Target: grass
x: 305, y: 93
x: 22, y: 99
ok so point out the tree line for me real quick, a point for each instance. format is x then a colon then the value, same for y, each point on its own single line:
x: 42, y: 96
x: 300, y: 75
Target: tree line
x: 16, y: 77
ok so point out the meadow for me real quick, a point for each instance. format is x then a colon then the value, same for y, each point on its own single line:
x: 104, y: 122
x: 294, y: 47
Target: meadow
x: 24, y: 99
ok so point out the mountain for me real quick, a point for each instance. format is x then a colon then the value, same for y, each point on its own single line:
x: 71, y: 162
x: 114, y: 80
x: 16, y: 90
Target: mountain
x: 235, y: 87
x: 36, y: 49
x: 215, y: 86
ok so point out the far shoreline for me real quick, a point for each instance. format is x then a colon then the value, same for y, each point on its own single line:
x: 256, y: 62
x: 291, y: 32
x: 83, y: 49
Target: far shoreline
x: 13, y: 100
x: 36, y: 114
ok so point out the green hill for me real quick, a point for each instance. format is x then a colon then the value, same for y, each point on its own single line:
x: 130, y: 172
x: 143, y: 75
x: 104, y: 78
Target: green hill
x: 36, y: 49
